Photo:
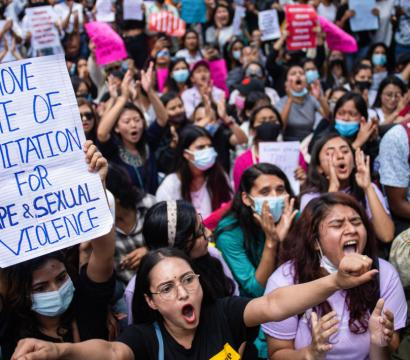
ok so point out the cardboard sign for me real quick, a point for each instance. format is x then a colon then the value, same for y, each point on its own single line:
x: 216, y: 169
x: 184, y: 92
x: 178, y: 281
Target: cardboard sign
x: 284, y: 155
x: 363, y: 19
x: 109, y: 46
x: 301, y: 20
x: 269, y: 24
x: 48, y: 200
x: 104, y: 11
x: 41, y: 22
x: 336, y: 38
x: 133, y: 10
x: 165, y: 22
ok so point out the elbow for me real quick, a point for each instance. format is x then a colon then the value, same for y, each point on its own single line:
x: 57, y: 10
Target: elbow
x: 102, y: 135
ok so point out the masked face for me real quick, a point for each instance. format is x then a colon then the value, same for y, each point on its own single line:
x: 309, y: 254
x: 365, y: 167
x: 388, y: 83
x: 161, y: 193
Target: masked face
x: 201, y: 154
x: 52, y: 289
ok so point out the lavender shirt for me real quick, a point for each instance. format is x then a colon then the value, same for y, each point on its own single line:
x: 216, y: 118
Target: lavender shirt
x: 214, y: 252
x: 313, y: 195
x: 346, y: 344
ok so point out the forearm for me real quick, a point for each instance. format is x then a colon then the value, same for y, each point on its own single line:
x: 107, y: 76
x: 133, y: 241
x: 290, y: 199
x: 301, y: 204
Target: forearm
x: 159, y: 108
x: 239, y: 134
x: 379, y: 353
x: 286, y: 354
x: 287, y: 301
x: 324, y: 107
x: 285, y: 112
x: 383, y: 225
x: 101, y: 264
x: 109, y: 118
x: 267, y: 264
x: 90, y: 350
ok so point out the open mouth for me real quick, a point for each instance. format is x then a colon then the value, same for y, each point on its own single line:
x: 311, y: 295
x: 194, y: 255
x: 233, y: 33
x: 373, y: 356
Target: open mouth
x: 298, y: 82
x: 342, y: 168
x: 188, y: 312
x: 350, y: 247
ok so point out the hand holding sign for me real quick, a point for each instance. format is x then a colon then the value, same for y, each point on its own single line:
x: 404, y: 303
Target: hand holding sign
x: 49, y: 200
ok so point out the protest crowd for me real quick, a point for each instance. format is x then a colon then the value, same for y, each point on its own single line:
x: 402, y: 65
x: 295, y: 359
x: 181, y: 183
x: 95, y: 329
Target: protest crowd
x: 253, y: 158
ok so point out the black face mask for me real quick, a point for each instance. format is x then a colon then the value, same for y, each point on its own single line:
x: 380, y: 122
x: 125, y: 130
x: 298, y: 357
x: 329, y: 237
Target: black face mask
x: 178, y: 119
x: 41, y: 3
x: 363, y: 85
x: 160, y: 1
x: 335, y: 62
x: 268, y: 131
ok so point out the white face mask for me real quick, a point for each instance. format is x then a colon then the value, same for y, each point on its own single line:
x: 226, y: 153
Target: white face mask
x: 325, y: 262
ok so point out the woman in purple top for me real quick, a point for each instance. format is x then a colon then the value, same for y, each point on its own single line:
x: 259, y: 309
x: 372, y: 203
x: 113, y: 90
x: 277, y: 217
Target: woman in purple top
x: 348, y: 324
x: 177, y: 224
x: 334, y: 167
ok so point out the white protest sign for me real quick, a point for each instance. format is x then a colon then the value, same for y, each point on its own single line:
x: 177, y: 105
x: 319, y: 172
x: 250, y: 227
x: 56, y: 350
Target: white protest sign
x: 240, y: 13
x: 133, y: 10
x: 363, y: 19
x: 269, y: 24
x: 285, y: 155
x: 48, y: 200
x: 105, y: 12
x: 44, y: 33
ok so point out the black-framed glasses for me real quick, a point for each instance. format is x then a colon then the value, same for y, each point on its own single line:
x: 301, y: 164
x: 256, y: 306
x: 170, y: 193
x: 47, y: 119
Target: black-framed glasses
x: 169, y: 291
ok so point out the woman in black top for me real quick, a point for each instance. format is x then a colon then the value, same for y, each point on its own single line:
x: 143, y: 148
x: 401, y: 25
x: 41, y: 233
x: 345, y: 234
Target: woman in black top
x: 182, y: 322
x: 45, y: 300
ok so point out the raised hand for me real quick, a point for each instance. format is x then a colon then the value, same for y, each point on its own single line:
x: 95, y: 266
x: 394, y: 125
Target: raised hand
x: 363, y: 178
x: 322, y: 330
x: 267, y: 223
x: 367, y: 129
x: 126, y: 84
x: 334, y: 184
x: 381, y: 325
x: 286, y: 219
x: 132, y: 260
x: 96, y: 162
x: 354, y: 270
x: 147, y: 78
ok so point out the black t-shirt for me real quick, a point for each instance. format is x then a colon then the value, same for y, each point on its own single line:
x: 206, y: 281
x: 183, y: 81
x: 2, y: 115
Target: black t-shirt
x: 90, y: 305
x: 221, y: 330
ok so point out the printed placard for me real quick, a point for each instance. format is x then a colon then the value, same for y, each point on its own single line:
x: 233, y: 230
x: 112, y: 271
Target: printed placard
x: 284, y: 155
x: 301, y: 21
x: 48, y: 200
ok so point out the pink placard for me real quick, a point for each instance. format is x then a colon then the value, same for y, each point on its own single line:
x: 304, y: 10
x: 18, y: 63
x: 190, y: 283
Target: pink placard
x: 161, y: 78
x: 219, y: 74
x: 109, y: 47
x: 336, y: 38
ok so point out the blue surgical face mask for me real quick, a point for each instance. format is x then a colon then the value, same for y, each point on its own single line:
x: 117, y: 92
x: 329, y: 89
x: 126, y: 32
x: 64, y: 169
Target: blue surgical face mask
x: 212, y: 128
x: 180, y: 76
x: 236, y: 54
x: 204, y: 159
x: 311, y: 76
x: 325, y: 263
x: 53, y: 303
x: 346, y: 128
x: 379, y: 59
x: 276, y: 205
x: 300, y: 93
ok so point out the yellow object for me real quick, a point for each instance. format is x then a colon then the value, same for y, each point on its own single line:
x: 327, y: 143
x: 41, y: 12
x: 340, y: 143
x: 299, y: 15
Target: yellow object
x: 228, y: 353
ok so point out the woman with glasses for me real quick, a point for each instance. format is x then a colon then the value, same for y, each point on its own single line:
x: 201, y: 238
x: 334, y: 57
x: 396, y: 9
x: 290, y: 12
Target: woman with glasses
x: 88, y: 118
x: 185, y: 322
x: 177, y: 224
x: 392, y: 97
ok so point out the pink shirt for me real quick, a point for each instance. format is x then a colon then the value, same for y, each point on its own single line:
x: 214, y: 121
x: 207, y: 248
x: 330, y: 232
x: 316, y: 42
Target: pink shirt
x: 246, y: 160
x: 346, y: 344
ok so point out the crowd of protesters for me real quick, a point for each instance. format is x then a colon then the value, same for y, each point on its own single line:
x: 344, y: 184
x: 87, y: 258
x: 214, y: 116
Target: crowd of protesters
x: 214, y: 254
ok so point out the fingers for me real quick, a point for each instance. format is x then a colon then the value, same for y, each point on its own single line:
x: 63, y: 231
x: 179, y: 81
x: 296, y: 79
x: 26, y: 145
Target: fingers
x: 378, y: 308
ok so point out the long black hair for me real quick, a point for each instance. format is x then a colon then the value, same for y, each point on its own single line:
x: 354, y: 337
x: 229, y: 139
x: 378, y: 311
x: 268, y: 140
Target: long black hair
x: 243, y: 214
x: 155, y: 232
x: 358, y: 101
x: 217, y: 181
x: 317, y: 182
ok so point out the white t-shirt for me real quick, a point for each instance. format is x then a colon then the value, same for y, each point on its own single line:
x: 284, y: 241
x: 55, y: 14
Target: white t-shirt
x: 184, y: 53
x: 170, y: 189
x: 62, y: 11
x: 328, y: 12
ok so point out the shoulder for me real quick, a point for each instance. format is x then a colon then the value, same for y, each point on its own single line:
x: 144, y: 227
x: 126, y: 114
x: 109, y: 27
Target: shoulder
x: 397, y: 135
x: 170, y: 188
x: 283, y: 276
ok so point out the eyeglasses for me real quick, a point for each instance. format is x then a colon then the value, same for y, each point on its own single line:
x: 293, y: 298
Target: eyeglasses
x: 87, y: 116
x: 392, y: 95
x: 169, y: 291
